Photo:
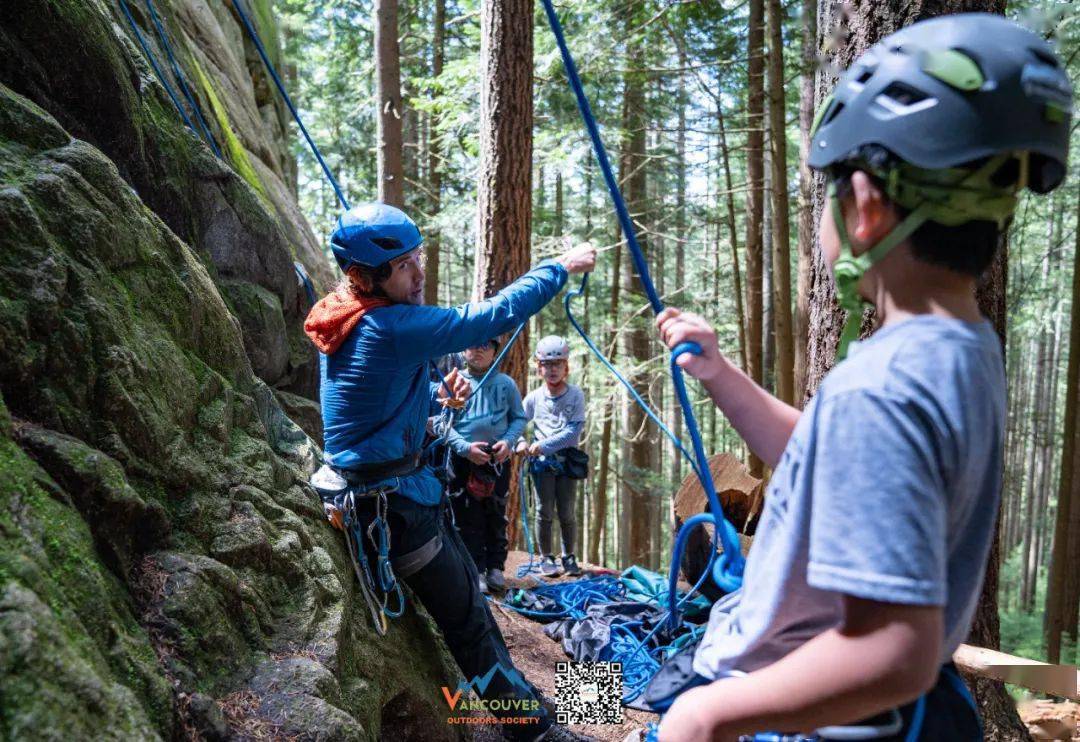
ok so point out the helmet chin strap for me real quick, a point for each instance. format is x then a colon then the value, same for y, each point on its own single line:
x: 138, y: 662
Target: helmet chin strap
x: 850, y: 268
x: 957, y: 198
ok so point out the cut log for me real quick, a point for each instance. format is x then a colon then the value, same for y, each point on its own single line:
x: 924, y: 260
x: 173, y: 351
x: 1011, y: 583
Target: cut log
x: 740, y: 495
x: 739, y: 492
x: 1055, y: 680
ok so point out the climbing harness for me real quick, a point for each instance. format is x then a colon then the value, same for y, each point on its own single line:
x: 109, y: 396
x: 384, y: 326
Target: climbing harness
x: 159, y: 29
x: 727, y: 570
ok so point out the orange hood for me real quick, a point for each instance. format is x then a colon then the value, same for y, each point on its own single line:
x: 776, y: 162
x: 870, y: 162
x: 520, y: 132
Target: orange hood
x: 330, y: 321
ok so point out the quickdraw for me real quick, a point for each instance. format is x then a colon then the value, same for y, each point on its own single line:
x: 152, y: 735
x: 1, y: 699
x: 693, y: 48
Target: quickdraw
x: 377, y: 532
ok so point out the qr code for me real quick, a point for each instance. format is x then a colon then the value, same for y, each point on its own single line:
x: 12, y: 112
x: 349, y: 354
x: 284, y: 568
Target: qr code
x: 588, y: 692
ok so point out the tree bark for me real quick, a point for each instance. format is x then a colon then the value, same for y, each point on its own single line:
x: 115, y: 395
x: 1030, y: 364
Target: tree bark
x: 864, y: 22
x: 755, y: 124
x: 806, y: 195
x: 504, y: 198
x: 636, y: 337
x: 433, y: 239
x: 391, y: 176
x: 504, y: 183
x: 781, y: 227
x: 1062, y: 598
x: 733, y: 237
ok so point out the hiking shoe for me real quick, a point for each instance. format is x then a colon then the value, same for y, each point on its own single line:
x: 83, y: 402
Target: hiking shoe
x: 570, y: 565
x: 495, y: 580
x: 483, y: 584
x: 548, y: 567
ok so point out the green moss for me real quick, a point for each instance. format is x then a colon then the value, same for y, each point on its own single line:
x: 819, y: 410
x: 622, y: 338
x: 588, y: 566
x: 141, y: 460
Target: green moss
x: 237, y: 154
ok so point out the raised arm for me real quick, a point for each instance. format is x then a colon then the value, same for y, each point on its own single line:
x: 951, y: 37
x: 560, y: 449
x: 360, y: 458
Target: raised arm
x: 762, y: 420
x: 429, y: 332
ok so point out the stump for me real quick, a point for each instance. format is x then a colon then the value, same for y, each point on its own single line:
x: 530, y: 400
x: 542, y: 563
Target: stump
x: 741, y: 496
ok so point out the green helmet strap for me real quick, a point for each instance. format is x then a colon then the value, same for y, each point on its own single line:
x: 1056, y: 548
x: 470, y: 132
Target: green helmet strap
x: 951, y: 197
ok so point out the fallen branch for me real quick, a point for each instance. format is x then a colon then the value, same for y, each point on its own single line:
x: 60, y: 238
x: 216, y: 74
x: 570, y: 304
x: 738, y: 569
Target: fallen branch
x: 1054, y: 680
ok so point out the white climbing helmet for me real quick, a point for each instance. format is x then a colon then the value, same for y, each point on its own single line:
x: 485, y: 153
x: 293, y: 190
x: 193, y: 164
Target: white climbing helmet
x: 552, y: 348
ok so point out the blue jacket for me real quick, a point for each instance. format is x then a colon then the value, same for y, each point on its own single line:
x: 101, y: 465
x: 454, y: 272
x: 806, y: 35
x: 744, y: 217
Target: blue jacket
x: 494, y: 413
x: 376, y: 393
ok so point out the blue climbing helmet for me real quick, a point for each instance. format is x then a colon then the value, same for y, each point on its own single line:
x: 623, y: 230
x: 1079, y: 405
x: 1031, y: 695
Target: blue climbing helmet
x: 373, y: 234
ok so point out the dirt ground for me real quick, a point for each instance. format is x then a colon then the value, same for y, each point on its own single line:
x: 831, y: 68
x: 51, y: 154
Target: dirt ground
x: 536, y: 656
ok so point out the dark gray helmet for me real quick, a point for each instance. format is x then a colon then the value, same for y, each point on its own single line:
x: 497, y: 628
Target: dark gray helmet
x: 948, y: 91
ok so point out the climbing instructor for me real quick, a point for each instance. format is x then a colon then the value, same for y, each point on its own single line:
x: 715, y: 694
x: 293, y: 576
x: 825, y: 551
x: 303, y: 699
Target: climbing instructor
x: 376, y: 341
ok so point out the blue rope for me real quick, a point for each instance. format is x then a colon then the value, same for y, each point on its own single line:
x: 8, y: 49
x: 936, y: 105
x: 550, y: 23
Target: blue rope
x: 579, y: 291
x: 180, y: 79
x: 729, y: 571
x: 158, y: 72
x: 573, y: 598
x: 238, y: 4
x: 523, y: 495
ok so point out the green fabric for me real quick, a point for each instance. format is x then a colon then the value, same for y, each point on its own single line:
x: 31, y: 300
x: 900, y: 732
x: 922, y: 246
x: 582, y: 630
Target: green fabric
x: 646, y: 586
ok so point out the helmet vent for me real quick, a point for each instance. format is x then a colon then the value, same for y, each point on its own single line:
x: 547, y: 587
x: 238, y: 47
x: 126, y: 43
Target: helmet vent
x: 833, y: 112
x: 864, y: 76
x: 1044, y: 57
x: 903, y: 94
x: 387, y: 243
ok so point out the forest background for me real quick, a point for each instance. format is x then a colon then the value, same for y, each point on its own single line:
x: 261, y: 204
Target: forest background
x: 705, y: 107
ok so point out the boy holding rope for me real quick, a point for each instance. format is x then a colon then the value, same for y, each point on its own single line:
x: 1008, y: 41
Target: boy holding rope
x: 869, y: 559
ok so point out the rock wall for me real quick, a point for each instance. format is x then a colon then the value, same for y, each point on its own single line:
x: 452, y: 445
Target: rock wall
x: 164, y: 571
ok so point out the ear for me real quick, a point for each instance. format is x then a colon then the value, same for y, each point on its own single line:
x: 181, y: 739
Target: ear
x: 872, y: 216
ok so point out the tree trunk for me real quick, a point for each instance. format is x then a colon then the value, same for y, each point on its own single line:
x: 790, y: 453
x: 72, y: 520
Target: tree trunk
x: 781, y: 228
x: 806, y: 195
x: 867, y: 22
x: 680, y: 251
x: 599, y: 523
x: 504, y: 197
x: 435, y: 168
x: 733, y: 236
x: 391, y: 175
x: 636, y: 337
x: 755, y: 124
x: 1063, y: 585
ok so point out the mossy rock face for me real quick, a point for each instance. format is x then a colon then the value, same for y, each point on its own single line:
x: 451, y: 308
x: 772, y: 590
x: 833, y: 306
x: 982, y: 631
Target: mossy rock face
x: 241, y: 220
x: 164, y: 570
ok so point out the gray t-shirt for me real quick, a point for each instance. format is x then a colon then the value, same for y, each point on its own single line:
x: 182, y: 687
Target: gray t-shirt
x: 887, y: 490
x: 557, y: 421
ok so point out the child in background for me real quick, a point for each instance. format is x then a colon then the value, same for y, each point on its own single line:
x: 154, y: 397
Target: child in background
x: 557, y: 411
x: 480, y: 444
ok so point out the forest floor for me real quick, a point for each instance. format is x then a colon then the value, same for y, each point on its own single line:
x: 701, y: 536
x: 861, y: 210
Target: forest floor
x: 536, y: 655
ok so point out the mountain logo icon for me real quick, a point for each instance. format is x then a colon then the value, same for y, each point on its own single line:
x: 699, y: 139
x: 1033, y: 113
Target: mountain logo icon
x: 480, y: 683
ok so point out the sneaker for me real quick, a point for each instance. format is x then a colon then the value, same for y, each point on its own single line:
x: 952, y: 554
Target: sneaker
x: 483, y: 584
x: 570, y: 565
x: 495, y: 580
x: 548, y: 567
